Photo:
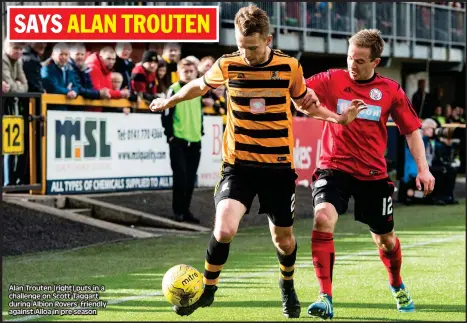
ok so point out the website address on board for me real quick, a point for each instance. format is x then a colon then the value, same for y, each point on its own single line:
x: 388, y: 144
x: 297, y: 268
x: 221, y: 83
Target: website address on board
x: 143, y: 155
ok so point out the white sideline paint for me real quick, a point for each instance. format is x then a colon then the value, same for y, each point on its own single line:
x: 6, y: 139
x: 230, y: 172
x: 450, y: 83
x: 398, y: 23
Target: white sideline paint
x: 273, y: 270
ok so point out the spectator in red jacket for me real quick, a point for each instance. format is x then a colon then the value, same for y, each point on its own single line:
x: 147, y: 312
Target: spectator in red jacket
x: 143, y: 76
x: 101, y: 65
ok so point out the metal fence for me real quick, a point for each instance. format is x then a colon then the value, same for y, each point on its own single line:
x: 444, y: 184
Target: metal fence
x: 442, y: 25
x: 404, y: 21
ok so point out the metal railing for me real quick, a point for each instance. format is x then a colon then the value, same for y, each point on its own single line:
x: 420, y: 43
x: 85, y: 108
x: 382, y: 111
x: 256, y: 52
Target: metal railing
x: 32, y: 133
x: 22, y: 131
x: 402, y: 22
x: 414, y: 22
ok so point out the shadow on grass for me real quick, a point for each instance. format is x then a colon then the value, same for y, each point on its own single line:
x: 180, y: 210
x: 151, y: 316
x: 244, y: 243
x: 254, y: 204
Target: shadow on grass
x: 418, y: 307
x: 373, y: 319
x: 162, y: 303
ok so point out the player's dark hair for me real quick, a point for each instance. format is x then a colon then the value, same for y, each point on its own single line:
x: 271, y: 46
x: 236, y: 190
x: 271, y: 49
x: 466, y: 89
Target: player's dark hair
x: 369, y: 38
x: 250, y: 20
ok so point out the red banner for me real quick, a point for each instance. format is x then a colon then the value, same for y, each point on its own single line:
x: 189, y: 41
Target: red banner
x: 307, y: 136
x: 113, y: 24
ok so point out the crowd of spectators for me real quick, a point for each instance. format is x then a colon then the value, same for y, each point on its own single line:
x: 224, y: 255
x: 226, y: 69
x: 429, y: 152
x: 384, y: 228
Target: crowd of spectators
x: 444, y: 146
x: 108, y: 73
x: 341, y: 15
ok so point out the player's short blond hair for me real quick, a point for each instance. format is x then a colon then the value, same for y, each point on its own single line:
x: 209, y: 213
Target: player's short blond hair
x: 250, y: 20
x: 369, y: 38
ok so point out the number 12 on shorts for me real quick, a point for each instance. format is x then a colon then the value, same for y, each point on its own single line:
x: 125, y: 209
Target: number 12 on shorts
x: 387, y: 206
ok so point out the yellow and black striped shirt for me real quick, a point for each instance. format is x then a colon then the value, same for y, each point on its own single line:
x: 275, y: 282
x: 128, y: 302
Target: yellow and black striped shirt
x: 259, y: 119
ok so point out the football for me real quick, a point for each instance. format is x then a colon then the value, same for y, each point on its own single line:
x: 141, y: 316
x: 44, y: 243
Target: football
x: 182, y: 285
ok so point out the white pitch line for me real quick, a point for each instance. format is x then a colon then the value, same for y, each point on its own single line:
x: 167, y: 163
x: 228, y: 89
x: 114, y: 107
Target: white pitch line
x: 249, y: 275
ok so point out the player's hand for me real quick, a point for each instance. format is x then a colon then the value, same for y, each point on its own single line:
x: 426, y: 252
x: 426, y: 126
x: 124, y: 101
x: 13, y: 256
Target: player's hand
x: 428, y: 181
x: 306, y: 104
x: 159, y: 105
x: 310, y: 99
x: 349, y: 114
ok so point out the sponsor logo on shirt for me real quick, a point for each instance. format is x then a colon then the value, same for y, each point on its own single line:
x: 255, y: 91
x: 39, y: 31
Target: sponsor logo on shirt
x: 258, y: 105
x: 373, y: 112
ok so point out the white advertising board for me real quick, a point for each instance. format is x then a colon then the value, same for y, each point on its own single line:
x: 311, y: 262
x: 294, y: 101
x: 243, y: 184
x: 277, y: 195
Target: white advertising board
x: 211, y: 152
x: 89, y: 152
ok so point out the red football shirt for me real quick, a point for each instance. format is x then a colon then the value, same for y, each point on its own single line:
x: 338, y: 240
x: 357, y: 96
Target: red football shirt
x: 358, y: 148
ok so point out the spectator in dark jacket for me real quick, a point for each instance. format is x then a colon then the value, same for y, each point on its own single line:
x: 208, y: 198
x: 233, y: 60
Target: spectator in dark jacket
x: 57, y: 75
x: 86, y: 89
x: 422, y: 101
x: 143, y: 76
x: 124, y: 64
x: 32, y: 66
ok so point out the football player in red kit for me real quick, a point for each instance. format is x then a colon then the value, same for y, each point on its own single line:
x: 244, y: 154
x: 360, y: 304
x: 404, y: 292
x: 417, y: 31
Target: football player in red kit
x: 352, y: 163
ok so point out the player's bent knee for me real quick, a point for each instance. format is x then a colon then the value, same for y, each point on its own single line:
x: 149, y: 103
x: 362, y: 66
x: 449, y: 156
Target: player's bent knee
x: 325, y: 216
x: 385, y: 241
x: 228, y: 215
x: 225, y: 235
x: 224, y: 230
x: 286, y: 243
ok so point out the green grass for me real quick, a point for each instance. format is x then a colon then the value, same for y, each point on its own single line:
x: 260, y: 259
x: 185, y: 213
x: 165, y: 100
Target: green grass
x: 433, y: 246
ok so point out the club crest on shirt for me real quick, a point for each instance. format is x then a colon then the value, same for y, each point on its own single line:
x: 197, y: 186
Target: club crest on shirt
x: 376, y: 94
x: 275, y: 75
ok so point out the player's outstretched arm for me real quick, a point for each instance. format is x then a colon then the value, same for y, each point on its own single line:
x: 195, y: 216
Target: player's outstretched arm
x: 310, y: 106
x: 190, y: 91
x: 417, y: 148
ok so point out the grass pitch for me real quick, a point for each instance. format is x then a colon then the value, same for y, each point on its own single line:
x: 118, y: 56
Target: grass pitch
x: 433, y: 269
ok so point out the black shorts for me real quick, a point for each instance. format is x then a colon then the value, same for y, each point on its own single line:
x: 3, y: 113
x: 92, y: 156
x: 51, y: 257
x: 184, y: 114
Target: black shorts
x: 373, y: 199
x: 275, y: 189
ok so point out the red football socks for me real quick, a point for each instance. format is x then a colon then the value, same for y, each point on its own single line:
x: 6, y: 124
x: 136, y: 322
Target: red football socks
x: 393, y: 261
x: 322, y: 251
